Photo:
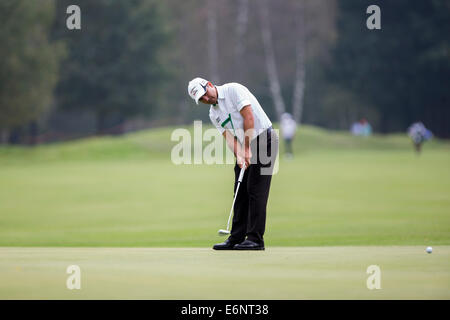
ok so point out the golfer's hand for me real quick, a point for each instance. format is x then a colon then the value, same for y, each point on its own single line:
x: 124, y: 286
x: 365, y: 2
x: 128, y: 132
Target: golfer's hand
x: 244, y: 156
x: 248, y: 157
x: 240, y: 161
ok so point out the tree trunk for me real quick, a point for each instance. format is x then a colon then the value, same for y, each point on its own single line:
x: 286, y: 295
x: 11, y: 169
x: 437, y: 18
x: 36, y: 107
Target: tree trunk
x: 4, y: 136
x: 182, y: 114
x: 270, y: 58
x: 383, y: 122
x: 119, y: 128
x: 213, y: 52
x: 300, y: 68
x: 241, y: 29
x: 101, y: 122
x: 32, y: 132
x: 15, y: 135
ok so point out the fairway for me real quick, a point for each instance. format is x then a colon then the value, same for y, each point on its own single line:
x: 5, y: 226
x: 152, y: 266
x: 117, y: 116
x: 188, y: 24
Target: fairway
x: 141, y: 227
x: 125, y: 192
x: 407, y: 272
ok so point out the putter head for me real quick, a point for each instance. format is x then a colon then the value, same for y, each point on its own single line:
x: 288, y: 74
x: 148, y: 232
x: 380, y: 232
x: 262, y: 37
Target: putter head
x: 223, y: 232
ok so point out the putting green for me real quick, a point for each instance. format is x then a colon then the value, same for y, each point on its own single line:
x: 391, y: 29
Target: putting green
x: 407, y: 272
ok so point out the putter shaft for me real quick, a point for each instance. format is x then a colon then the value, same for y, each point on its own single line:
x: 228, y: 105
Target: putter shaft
x: 241, y: 175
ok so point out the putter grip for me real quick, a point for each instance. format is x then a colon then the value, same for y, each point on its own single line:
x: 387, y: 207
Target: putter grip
x: 241, y: 175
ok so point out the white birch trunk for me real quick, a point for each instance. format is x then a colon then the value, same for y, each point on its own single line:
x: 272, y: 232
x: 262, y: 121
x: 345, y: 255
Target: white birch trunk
x: 300, y: 65
x: 213, y: 52
x: 270, y: 59
x: 241, y: 29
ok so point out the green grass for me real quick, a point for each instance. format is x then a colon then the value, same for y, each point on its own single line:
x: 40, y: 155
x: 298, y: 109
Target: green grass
x: 125, y: 192
x: 407, y: 272
x: 342, y: 204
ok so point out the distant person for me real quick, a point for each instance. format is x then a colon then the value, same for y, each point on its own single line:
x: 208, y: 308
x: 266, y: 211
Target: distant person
x: 419, y: 134
x: 366, y: 128
x: 356, y: 129
x: 361, y: 128
x: 288, y: 128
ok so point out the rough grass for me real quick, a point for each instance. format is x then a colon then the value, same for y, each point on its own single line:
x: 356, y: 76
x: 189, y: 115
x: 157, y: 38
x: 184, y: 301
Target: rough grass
x: 125, y: 192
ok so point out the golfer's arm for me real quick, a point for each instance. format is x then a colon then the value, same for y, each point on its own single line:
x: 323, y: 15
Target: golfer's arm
x: 232, y: 142
x: 249, y: 124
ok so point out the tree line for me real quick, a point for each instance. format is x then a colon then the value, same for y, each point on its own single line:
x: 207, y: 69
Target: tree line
x: 133, y: 59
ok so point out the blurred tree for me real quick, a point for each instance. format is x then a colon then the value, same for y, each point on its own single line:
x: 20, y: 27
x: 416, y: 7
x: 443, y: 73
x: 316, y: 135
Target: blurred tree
x: 117, y: 63
x: 203, y: 50
x: 309, y: 29
x: 271, y: 66
x: 240, y: 45
x: 213, y: 51
x: 403, y: 70
x: 242, y: 16
x: 340, y: 108
x: 28, y: 64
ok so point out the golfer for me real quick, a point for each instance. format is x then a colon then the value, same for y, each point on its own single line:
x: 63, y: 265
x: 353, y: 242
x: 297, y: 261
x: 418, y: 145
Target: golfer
x: 248, y: 132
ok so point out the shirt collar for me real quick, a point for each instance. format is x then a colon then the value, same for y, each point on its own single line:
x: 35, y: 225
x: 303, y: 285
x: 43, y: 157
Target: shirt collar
x: 220, y: 94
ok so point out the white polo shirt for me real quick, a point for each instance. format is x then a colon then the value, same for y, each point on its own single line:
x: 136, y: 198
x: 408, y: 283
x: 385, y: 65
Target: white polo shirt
x: 232, y: 97
x: 288, y: 127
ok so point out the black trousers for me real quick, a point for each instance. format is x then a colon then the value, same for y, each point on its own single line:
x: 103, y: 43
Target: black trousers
x: 249, y: 219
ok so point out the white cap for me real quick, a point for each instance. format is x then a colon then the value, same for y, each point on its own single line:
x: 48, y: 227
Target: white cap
x: 197, y: 88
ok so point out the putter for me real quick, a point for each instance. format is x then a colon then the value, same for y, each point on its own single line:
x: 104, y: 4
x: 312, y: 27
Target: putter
x: 223, y: 232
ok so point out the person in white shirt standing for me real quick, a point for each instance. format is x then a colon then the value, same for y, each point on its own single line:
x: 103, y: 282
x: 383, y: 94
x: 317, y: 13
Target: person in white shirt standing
x: 239, y: 117
x: 288, y: 128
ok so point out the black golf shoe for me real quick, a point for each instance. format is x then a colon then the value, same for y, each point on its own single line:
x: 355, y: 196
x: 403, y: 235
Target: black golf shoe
x: 249, y: 245
x: 226, y: 245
